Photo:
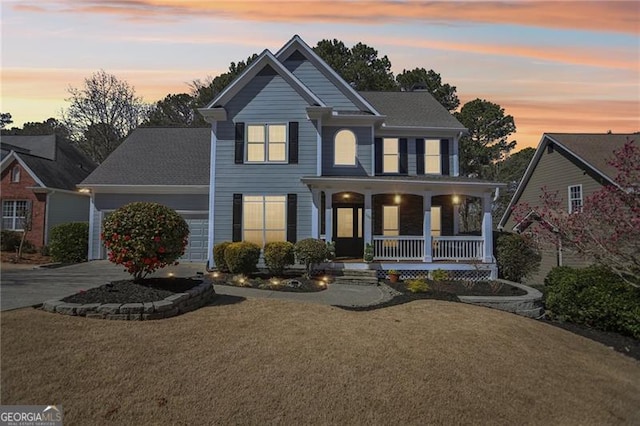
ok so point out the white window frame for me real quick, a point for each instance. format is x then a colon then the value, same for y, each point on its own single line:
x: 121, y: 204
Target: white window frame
x: 436, y: 211
x: 16, y: 221
x: 266, y: 143
x: 15, y: 174
x: 396, y: 155
x: 427, y: 155
x: 388, y: 232
x: 571, y: 198
x: 264, y: 228
x: 355, y: 149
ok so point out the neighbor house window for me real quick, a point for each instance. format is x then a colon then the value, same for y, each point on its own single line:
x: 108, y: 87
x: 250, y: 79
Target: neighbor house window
x: 575, y: 198
x: 264, y: 218
x: 344, y: 148
x: 266, y: 143
x: 13, y: 214
x: 15, y: 174
x: 436, y: 221
x: 390, y: 155
x: 432, y: 160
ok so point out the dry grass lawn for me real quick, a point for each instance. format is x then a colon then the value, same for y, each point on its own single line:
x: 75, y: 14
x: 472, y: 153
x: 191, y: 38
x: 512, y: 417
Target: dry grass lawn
x: 278, y: 362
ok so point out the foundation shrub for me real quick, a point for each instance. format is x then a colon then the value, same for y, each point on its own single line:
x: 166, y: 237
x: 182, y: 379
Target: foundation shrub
x: 242, y: 257
x: 278, y: 255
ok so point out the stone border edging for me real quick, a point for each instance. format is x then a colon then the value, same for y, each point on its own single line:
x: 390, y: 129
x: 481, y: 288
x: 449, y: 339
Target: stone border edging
x: 528, y: 305
x: 173, y: 305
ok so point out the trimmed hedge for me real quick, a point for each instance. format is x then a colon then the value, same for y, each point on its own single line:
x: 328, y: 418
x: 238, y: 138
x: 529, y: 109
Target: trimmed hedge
x: 218, y: 256
x: 593, y: 296
x: 69, y: 242
x: 242, y: 257
x: 311, y: 251
x: 517, y: 257
x: 278, y: 255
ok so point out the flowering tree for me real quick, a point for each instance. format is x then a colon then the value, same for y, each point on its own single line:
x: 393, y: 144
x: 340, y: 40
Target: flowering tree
x: 144, y: 237
x: 607, y: 229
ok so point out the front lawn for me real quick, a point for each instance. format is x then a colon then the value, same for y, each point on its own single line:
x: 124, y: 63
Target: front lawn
x: 263, y: 361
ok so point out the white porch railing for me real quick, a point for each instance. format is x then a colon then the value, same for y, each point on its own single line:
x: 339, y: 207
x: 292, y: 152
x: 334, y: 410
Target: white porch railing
x: 409, y: 247
x: 398, y: 248
x: 458, y: 248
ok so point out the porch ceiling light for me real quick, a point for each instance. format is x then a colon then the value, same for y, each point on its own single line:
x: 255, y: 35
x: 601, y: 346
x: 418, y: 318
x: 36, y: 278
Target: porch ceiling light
x: 397, y: 199
x: 455, y: 199
x: 84, y: 190
x: 347, y: 195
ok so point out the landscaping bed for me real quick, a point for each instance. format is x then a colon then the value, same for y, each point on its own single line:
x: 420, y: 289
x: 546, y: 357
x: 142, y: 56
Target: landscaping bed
x: 128, y: 291
x: 292, y: 281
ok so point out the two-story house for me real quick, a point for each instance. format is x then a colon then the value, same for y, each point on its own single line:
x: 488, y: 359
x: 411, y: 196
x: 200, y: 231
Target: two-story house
x: 296, y: 152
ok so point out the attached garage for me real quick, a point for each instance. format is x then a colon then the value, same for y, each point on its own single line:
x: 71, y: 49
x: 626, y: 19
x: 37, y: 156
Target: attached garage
x: 196, y: 250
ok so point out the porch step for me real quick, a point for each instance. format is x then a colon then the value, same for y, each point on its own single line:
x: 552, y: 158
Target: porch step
x: 355, y: 277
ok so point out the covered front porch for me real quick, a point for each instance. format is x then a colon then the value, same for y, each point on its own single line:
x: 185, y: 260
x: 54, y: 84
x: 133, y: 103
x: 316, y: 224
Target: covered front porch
x: 404, y: 220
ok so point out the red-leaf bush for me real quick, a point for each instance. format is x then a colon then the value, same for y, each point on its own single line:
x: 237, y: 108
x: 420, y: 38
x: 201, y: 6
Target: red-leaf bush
x: 144, y: 237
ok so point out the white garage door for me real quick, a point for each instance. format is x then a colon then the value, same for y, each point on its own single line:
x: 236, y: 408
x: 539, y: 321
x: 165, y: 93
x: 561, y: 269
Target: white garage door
x: 196, y: 250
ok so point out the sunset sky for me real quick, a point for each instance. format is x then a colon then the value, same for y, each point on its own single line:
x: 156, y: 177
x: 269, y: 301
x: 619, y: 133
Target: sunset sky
x: 555, y: 66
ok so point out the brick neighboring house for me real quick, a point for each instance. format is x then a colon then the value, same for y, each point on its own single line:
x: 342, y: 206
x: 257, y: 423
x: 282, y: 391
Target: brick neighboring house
x: 575, y: 165
x: 41, y: 173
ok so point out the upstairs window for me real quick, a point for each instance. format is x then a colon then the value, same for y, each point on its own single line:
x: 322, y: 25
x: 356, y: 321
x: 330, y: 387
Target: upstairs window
x: 575, y: 198
x: 390, y: 155
x: 344, y: 148
x: 266, y: 143
x: 13, y: 214
x: 15, y: 174
x: 432, y: 159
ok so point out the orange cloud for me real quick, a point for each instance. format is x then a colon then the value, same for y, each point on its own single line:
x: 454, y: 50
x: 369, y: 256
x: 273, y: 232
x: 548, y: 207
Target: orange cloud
x: 609, y: 16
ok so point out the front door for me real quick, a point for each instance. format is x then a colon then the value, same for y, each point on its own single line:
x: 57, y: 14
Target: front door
x: 347, y: 230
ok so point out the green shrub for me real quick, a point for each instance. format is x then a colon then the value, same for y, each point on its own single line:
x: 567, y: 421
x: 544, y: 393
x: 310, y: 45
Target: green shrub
x: 69, y: 242
x: 517, y: 257
x: 144, y: 237
x: 242, y: 257
x: 218, y: 256
x: 440, y: 275
x: 417, y: 286
x: 310, y: 251
x: 593, y: 296
x: 278, y: 255
x: 10, y: 240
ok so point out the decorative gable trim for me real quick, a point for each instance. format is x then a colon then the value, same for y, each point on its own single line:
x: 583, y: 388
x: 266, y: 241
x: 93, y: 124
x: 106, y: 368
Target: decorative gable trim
x: 266, y: 58
x: 296, y: 43
x: 14, y: 156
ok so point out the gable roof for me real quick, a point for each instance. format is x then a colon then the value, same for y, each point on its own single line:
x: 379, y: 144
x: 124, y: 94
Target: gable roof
x: 265, y: 58
x: 412, y: 109
x: 54, y: 162
x: 157, y: 156
x: 594, y: 150
x: 296, y: 43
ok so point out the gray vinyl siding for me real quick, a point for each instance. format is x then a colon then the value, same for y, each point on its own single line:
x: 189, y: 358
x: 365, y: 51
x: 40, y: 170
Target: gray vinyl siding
x: 65, y: 208
x: 320, y: 85
x: 364, y: 151
x: 266, y: 99
x: 191, y: 202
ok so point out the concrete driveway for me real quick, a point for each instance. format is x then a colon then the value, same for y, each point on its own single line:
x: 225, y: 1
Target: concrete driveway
x: 22, y: 287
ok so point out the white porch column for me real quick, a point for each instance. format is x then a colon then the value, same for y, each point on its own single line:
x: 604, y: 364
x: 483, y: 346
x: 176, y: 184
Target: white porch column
x: 368, y: 230
x: 92, y: 224
x: 426, y: 226
x: 315, y: 213
x: 328, y: 216
x: 487, y: 228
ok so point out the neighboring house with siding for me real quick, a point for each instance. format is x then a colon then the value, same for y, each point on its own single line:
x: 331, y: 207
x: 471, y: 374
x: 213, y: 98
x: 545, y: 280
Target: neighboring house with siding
x: 295, y: 152
x: 40, y: 173
x: 575, y: 165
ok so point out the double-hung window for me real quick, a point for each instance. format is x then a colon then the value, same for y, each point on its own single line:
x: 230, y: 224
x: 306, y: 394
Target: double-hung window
x: 13, y: 214
x: 432, y: 160
x: 575, y: 198
x: 264, y: 218
x: 390, y: 155
x: 266, y: 143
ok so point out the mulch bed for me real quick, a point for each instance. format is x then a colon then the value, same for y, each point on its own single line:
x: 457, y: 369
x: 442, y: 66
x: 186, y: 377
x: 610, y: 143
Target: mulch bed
x: 27, y: 258
x: 291, y: 281
x: 127, y: 291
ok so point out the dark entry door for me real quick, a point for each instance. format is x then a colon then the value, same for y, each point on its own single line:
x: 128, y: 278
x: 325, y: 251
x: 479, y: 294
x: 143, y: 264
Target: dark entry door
x: 347, y: 230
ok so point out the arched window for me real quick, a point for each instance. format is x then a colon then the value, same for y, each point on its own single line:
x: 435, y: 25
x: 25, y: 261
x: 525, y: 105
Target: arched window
x: 15, y: 174
x: 344, y: 148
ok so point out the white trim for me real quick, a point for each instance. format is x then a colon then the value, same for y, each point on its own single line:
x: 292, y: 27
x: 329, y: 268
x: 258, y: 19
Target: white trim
x: 47, y: 209
x: 148, y: 189
x: 319, y: 147
x: 212, y: 193
x: 41, y: 190
x: 569, y: 199
x: 296, y: 43
x: 265, y: 127
x: 265, y: 58
x: 92, y: 222
x: 14, y: 156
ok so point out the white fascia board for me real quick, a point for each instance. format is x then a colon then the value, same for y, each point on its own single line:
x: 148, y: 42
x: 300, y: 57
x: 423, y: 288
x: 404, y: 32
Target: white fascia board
x: 419, y: 131
x: 14, y: 156
x: 355, y: 120
x: 297, y: 43
x: 41, y: 190
x: 265, y: 58
x: 148, y: 189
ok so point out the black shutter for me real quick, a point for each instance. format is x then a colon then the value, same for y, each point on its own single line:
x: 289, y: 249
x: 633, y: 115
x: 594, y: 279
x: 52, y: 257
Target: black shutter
x: 378, y: 154
x: 292, y: 217
x: 404, y: 157
x: 237, y: 218
x: 293, y: 142
x: 239, y: 143
x: 444, y: 156
x: 419, y: 156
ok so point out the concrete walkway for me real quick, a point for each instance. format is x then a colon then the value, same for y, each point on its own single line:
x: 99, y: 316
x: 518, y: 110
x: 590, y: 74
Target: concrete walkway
x: 23, y: 287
